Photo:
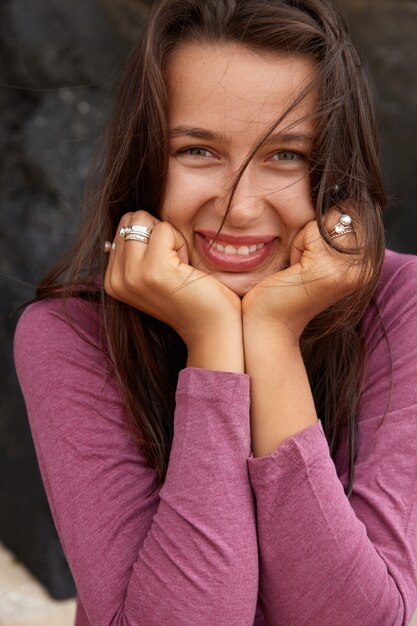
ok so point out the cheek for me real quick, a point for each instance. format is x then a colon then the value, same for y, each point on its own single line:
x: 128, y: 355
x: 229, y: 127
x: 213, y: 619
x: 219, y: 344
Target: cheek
x: 186, y: 192
x: 295, y: 205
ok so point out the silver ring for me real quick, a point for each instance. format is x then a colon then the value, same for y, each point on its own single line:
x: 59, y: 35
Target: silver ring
x: 138, y: 228
x: 135, y: 229
x: 343, y: 227
x: 138, y: 237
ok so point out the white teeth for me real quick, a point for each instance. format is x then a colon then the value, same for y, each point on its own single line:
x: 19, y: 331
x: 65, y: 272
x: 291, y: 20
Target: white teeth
x: 229, y: 249
x: 217, y: 246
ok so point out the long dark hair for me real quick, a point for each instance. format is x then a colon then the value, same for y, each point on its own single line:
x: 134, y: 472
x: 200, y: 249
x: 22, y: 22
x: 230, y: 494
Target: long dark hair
x: 147, y: 354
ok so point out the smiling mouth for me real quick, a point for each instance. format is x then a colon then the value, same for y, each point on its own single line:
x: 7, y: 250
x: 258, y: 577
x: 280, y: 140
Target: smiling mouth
x: 227, y: 248
x: 242, y: 256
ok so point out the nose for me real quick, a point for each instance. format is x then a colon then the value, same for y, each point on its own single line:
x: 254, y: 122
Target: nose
x: 247, y: 203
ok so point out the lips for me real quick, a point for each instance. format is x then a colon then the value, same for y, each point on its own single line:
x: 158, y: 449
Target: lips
x: 234, y: 254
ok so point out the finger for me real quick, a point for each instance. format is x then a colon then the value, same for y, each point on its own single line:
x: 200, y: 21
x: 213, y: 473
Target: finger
x: 166, y: 237
x: 343, y: 227
x: 133, y: 247
x: 113, y: 272
x: 143, y: 218
x: 305, y: 237
x: 346, y: 233
x: 117, y: 264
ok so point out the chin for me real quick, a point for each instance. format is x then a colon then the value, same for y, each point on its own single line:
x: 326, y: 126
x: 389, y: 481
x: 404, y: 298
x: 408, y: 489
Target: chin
x: 238, y: 283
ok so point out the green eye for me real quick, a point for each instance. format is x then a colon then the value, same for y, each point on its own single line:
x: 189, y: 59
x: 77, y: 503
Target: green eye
x: 197, y: 152
x: 286, y: 155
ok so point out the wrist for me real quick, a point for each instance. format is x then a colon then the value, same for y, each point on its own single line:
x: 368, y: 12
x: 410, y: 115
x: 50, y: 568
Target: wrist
x: 219, y: 349
x: 258, y: 332
x: 287, y: 324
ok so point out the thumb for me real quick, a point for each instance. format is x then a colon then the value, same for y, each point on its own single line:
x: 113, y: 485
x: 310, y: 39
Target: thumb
x: 180, y: 246
x: 298, y: 247
x: 165, y: 235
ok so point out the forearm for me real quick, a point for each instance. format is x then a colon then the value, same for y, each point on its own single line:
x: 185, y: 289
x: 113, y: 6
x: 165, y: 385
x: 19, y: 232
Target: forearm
x: 322, y: 567
x: 183, y: 554
x: 339, y: 560
x: 281, y: 400
x: 203, y: 537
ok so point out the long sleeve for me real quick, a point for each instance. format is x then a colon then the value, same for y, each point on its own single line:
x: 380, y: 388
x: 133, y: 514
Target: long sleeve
x: 140, y: 555
x: 326, y: 559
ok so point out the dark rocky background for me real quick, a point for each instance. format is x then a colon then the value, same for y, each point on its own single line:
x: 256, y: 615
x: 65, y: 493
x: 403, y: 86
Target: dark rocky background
x: 59, y: 62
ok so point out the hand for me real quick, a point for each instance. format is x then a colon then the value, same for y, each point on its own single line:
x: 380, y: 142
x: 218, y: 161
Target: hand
x: 317, y: 278
x: 157, y: 279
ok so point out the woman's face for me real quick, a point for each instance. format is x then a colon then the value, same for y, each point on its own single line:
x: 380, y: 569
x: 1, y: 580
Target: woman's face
x: 222, y: 98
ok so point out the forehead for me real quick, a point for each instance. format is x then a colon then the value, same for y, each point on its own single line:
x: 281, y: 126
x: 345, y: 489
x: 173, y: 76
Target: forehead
x: 235, y: 87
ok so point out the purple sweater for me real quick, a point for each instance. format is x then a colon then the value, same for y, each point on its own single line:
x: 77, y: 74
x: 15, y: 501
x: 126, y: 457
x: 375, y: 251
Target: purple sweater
x: 228, y: 535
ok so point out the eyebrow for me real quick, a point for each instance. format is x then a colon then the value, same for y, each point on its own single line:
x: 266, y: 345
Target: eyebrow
x: 209, y: 135
x: 197, y: 133
x: 289, y: 137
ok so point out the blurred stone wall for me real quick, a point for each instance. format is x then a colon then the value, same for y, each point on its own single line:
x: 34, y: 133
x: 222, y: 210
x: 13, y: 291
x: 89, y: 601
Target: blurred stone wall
x: 59, y: 62
x: 386, y: 34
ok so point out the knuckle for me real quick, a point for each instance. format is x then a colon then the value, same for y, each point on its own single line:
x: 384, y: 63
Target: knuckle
x: 162, y: 228
x: 117, y: 289
x: 141, y: 217
x: 130, y: 280
x: 150, y: 280
x: 157, y: 229
x: 108, y: 287
x: 125, y: 219
x: 133, y: 278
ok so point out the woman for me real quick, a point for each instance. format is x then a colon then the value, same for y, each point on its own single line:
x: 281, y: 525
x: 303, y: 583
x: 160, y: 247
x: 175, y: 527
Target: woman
x: 246, y: 285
